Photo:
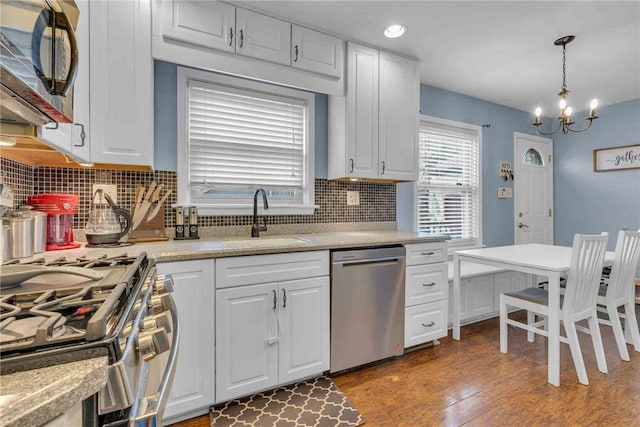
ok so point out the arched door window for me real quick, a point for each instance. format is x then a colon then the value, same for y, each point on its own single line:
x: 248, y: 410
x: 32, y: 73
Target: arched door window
x: 532, y: 157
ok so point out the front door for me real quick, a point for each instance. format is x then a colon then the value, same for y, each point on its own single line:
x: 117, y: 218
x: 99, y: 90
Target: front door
x: 533, y: 188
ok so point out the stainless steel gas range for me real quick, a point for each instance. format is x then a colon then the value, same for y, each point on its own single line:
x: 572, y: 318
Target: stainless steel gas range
x: 128, y: 315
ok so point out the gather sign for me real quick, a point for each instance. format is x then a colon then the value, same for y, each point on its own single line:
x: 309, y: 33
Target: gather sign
x: 616, y: 158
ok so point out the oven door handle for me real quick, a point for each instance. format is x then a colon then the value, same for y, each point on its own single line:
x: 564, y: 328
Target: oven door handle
x: 155, y: 404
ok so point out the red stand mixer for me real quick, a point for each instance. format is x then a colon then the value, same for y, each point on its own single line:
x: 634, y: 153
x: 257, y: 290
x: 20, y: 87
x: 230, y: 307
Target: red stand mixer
x: 60, y: 209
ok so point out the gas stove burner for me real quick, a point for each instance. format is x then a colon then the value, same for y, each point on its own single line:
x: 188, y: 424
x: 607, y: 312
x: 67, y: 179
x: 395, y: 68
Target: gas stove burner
x: 26, y: 328
x: 109, y: 245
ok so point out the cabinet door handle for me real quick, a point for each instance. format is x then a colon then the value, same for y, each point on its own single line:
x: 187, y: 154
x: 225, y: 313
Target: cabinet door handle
x: 351, y: 165
x: 83, y: 135
x: 230, y: 36
x: 429, y: 284
x: 241, y: 38
x: 275, y: 299
x: 430, y: 324
x: 295, y: 49
x: 384, y: 166
x: 284, y: 298
x: 427, y: 253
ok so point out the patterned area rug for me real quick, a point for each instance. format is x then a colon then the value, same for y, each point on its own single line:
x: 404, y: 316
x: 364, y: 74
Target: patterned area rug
x: 317, y: 402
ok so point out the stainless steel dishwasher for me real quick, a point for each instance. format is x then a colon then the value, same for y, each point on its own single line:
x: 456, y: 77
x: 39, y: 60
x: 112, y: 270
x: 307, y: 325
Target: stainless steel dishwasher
x: 367, y: 306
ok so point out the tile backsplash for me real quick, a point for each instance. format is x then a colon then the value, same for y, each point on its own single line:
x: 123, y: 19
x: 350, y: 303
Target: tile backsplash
x: 377, y: 200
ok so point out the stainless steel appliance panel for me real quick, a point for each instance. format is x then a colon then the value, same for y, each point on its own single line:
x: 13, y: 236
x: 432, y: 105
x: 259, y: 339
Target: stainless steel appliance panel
x: 367, y: 306
x: 38, y: 59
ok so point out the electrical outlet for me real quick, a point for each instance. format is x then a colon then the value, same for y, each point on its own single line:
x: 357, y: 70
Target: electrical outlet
x: 353, y: 198
x: 110, y: 189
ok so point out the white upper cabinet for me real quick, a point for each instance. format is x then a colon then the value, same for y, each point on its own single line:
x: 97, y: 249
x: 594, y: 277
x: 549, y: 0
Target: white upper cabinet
x: 121, y: 81
x: 221, y: 37
x: 263, y: 37
x: 115, y: 124
x: 316, y: 52
x: 362, y: 111
x: 373, y: 131
x: 206, y: 24
x: 398, y: 118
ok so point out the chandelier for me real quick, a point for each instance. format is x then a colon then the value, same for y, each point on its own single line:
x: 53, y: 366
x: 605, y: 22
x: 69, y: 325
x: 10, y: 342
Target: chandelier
x: 565, y: 122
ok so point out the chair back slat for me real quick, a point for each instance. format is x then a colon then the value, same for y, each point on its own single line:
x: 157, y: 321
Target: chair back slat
x: 585, y: 270
x: 625, y: 265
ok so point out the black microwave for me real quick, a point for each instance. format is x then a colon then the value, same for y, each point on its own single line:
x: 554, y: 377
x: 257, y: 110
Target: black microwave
x: 38, y: 59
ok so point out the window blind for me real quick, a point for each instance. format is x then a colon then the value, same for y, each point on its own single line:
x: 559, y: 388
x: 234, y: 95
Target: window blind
x: 448, y: 186
x: 240, y: 140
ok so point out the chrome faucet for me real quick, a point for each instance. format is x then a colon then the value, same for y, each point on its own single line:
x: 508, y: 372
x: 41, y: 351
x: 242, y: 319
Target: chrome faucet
x: 255, y: 228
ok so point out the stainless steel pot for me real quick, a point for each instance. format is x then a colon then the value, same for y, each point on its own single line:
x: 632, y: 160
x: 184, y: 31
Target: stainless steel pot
x: 39, y: 228
x: 20, y: 235
x: 5, y: 243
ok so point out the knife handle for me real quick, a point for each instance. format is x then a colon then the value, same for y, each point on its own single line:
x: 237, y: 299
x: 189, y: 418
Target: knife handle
x: 156, y: 194
x: 152, y: 188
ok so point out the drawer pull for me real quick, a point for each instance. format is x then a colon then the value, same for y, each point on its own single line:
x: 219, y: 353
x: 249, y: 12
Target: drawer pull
x: 427, y: 253
x: 430, y: 324
x: 429, y: 284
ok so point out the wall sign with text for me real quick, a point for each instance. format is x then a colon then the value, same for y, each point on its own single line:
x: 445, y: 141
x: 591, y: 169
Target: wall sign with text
x: 616, y: 158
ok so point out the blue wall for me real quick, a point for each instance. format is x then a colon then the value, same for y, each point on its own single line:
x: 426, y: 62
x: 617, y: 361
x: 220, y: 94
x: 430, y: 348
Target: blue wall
x: 591, y: 202
x: 165, y: 122
x: 497, y: 144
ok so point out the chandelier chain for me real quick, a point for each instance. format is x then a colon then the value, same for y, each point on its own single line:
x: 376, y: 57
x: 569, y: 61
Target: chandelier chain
x: 564, y: 67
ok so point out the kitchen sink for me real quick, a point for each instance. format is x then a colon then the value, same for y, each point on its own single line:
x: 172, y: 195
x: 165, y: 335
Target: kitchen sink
x: 263, y: 242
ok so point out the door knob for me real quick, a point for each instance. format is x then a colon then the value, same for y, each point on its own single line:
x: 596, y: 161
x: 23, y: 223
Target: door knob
x: 521, y: 225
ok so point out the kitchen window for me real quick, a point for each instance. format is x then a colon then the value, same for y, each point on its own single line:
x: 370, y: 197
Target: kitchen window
x: 449, y: 186
x: 237, y: 135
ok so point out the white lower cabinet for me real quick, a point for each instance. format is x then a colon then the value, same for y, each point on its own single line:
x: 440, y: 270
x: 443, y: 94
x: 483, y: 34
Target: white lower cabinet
x: 193, y: 388
x: 425, y: 322
x: 246, y: 340
x: 479, y: 295
x: 72, y: 417
x: 274, y: 333
x: 509, y: 281
x: 426, y: 293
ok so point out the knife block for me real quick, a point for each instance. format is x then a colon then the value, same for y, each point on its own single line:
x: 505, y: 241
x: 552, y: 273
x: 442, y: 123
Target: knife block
x: 152, y: 231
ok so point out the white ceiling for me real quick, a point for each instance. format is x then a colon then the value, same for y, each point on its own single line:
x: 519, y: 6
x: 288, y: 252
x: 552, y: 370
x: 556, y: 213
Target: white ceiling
x: 500, y: 51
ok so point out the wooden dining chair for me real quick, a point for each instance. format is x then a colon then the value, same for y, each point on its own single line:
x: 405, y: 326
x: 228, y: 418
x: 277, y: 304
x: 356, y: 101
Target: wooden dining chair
x: 620, y: 291
x: 578, y: 303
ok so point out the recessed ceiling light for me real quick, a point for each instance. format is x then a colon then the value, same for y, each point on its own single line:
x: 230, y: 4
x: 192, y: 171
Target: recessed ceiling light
x: 395, y: 30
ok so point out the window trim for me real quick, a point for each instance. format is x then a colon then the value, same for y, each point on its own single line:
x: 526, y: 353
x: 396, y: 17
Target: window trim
x: 184, y: 75
x: 452, y: 247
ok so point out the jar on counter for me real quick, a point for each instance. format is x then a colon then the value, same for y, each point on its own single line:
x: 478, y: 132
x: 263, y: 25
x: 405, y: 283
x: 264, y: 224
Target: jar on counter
x: 20, y: 235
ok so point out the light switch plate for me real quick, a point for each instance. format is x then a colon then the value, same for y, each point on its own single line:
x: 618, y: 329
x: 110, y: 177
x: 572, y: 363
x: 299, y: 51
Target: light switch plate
x: 110, y: 189
x: 505, y: 193
x: 353, y: 198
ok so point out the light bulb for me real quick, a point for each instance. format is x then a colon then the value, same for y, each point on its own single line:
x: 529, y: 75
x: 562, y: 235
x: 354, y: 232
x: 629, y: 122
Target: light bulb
x: 562, y: 104
x: 538, y: 112
x: 568, y: 111
x: 592, y: 108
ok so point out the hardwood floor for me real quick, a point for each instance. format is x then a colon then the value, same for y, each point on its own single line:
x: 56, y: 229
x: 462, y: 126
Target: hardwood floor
x: 469, y: 382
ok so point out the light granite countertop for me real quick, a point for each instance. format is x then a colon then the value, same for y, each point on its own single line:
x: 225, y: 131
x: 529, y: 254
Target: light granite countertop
x: 213, y: 247
x: 31, y: 398
x: 36, y: 396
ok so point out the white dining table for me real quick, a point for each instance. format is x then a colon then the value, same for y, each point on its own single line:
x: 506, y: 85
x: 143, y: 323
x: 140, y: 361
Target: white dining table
x: 544, y: 260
